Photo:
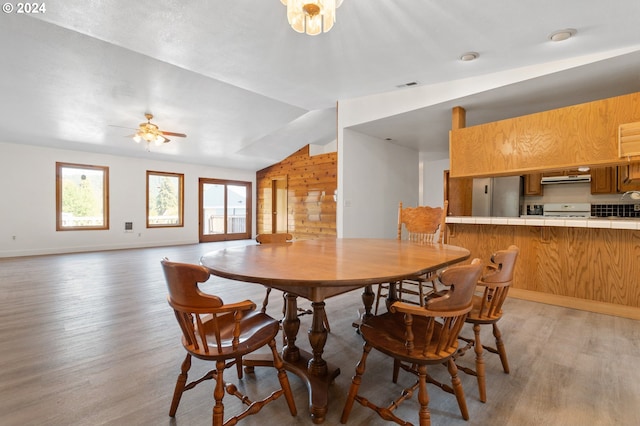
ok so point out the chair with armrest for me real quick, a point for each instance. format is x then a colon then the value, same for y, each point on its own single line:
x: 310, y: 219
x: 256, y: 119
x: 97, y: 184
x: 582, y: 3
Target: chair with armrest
x: 278, y: 238
x: 416, y: 337
x: 487, y: 309
x: 423, y: 225
x: 222, y: 333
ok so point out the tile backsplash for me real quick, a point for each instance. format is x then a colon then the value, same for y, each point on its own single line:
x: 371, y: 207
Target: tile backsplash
x: 617, y: 210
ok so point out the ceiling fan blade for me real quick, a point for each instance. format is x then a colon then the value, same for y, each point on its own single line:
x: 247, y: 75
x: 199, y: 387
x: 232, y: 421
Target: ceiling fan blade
x: 122, y: 127
x: 178, y: 135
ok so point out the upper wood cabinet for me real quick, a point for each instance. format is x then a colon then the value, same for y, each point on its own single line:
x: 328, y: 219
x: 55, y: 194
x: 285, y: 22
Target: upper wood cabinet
x: 574, y: 136
x: 603, y: 180
x: 612, y: 180
x: 532, y: 184
x: 629, y: 177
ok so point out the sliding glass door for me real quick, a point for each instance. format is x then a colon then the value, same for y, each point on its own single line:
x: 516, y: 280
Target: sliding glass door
x: 225, y: 210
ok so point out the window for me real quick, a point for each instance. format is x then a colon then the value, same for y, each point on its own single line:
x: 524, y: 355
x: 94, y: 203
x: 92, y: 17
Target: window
x: 165, y: 199
x: 82, y: 197
x: 225, y: 210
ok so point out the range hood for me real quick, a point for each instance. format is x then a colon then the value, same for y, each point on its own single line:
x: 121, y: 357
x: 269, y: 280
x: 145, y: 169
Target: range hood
x: 566, y: 179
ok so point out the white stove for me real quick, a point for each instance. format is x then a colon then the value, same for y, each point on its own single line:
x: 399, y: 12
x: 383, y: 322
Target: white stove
x: 567, y: 210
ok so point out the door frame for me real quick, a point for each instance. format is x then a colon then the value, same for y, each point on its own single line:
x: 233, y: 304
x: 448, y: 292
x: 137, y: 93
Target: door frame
x: 201, y: 219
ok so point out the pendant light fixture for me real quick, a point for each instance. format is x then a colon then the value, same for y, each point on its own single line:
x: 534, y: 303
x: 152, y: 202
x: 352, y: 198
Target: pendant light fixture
x: 311, y: 16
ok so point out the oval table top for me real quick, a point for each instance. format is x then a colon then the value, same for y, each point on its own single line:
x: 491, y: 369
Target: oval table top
x: 335, y: 262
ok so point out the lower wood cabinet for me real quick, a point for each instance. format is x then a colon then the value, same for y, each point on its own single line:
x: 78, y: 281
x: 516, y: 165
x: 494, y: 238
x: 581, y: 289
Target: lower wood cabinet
x: 599, y: 265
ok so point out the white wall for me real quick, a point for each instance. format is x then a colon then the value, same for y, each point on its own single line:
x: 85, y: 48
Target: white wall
x: 373, y: 177
x: 432, y: 179
x: 28, y: 201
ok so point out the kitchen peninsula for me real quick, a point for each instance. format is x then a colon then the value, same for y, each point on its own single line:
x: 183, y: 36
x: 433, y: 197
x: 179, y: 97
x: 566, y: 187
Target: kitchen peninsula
x: 590, y: 264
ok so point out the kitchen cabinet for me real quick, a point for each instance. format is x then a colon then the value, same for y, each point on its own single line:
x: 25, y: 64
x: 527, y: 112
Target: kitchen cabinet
x: 583, y: 268
x: 614, y: 180
x: 603, y: 180
x: 569, y: 137
x: 532, y: 184
x: 629, y: 177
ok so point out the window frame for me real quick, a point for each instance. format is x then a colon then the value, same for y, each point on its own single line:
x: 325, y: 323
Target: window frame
x: 59, y: 195
x: 180, y: 177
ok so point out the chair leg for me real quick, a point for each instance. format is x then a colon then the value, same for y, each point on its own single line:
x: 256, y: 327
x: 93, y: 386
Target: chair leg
x: 424, y: 415
x: 180, y: 383
x: 477, y: 347
x: 500, y: 347
x: 282, y: 377
x: 457, y: 388
x: 218, y: 394
x: 355, y: 384
x: 265, y: 302
x: 239, y: 367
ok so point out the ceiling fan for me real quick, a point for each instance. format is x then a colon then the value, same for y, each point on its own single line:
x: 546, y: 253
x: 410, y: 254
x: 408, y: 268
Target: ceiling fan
x: 151, y: 133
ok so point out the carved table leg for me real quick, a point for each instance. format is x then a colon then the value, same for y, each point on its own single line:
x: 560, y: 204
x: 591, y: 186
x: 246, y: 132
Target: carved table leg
x: 311, y: 368
x: 290, y: 328
x: 368, y: 297
x: 392, y: 296
x: 317, y: 338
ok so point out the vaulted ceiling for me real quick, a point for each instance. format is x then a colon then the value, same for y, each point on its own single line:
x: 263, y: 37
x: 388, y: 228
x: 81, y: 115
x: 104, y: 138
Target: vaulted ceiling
x: 248, y: 90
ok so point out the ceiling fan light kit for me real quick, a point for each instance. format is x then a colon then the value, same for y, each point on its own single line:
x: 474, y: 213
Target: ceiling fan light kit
x: 150, y: 133
x: 311, y: 16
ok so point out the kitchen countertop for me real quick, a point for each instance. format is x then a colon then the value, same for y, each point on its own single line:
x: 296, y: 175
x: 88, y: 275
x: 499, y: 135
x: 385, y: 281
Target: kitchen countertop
x: 594, y: 222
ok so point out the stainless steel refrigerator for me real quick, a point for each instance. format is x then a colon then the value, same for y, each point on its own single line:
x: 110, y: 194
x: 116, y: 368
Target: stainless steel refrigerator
x: 497, y: 197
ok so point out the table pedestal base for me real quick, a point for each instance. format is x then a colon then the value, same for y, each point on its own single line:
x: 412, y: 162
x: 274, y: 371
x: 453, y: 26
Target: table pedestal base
x: 317, y: 385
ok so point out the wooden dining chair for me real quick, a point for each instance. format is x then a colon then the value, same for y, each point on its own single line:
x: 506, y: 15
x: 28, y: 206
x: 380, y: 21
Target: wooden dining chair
x: 487, y: 309
x: 278, y: 238
x: 222, y: 333
x: 423, y: 225
x: 418, y: 336
x: 282, y: 238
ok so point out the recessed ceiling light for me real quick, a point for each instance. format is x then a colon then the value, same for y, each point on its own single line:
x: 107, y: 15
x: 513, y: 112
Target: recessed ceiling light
x: 562, y: 35
x: 469, y: 56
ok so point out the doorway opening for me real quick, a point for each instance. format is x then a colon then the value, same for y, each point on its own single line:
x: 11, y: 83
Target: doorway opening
x: 225, y: 210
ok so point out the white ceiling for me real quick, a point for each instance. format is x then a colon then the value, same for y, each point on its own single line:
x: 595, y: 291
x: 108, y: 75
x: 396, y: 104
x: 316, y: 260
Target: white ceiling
x: 248, y: 90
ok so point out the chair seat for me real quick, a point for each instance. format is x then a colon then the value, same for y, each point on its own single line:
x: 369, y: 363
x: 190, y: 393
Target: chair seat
x: 386, y: 333
x: 257, y: 330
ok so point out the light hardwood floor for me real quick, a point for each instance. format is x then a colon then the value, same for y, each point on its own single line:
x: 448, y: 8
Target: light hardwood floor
x: 88, y: 339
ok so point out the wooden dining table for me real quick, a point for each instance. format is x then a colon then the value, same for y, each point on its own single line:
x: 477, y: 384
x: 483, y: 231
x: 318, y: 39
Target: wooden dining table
x: 319, y: 269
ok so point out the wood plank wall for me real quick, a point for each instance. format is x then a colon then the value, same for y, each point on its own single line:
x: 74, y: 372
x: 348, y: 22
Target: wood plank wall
x: 311, y: 184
